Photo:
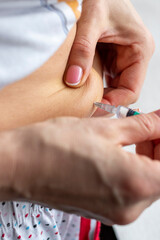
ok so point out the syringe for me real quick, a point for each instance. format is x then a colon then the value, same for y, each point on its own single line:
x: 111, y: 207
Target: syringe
x: 120, y: 111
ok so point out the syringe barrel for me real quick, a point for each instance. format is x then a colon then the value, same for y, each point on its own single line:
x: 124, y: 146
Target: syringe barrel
x: 123, y: 112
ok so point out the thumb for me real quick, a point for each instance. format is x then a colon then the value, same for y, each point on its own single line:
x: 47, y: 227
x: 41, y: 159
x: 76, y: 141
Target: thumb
x: 83, y: 50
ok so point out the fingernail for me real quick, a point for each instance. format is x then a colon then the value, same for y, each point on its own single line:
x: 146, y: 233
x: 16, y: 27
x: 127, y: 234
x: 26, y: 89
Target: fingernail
x: 74, y: 75
x: 157, y: 112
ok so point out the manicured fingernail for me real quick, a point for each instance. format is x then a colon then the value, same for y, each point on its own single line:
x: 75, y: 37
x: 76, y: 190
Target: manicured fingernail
x: 157, y: 112
x: 74, y: 75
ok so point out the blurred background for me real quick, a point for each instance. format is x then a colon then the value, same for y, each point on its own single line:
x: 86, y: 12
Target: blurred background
x: 147, y: 226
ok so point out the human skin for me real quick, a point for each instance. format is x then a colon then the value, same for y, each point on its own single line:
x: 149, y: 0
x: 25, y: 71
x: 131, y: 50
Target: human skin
x: 76, y: 165
x: 43, y: 94
x: 125, y: 47
x: 79, y: 166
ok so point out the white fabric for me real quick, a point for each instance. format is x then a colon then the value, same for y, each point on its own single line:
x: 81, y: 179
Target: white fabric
x: 30, y: 32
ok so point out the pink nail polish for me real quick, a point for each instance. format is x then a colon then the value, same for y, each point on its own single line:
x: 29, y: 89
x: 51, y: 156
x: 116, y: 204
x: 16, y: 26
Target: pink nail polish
x: 74, y: 75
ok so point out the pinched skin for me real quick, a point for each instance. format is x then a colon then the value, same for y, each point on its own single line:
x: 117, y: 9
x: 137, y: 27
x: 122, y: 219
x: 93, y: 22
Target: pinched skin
x: 44, y: 95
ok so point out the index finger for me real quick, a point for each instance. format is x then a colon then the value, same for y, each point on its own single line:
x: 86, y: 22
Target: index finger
x: 140, y: 128
x: 125, y: 88
x: 131, y: 130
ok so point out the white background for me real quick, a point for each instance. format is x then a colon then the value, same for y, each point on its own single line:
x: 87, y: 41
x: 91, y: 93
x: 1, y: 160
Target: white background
x: 147, y: 227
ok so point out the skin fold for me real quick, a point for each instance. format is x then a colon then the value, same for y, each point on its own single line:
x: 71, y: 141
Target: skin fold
x: 43, y: 94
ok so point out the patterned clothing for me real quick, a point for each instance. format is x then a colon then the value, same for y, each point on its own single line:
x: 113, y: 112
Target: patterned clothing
x: 23, y: 221
x: 30, y: 32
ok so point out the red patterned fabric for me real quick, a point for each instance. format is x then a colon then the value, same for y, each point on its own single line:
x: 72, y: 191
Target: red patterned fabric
x: 84, y: 229
x: 97, y: 231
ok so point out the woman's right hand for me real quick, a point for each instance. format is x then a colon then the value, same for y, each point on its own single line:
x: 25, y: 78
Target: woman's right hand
x: 125, y: 47
x: 79, y: 165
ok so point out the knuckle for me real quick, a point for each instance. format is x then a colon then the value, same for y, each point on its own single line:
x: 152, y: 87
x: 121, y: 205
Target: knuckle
x: 145, y: 48
x: 126, y: 217
x: 96, y: 9
x: 137, y: 52
x: 148, y: 42
x: 93, y: 8
x: 153, y: 45
x: 83, y: 46
x: 123, y: 217
x: 137, y: 190
x: 147, y: 124
x: 133, y: 96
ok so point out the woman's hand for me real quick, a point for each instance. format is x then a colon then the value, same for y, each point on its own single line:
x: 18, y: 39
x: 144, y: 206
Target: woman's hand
x: 79, y: 166
x: 124, y: 44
